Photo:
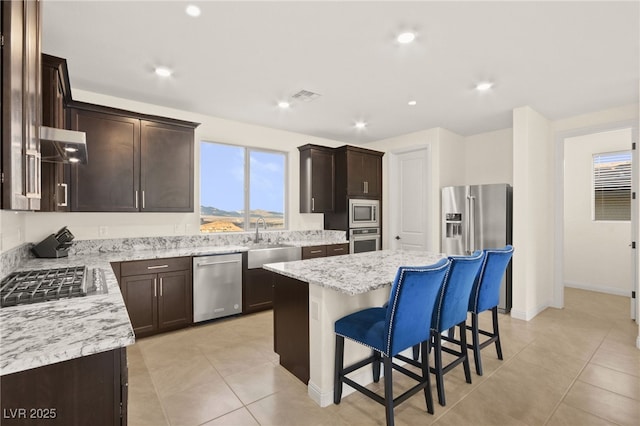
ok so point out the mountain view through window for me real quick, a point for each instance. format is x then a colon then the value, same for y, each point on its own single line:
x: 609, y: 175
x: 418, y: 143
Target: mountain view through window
x: 238, y: 185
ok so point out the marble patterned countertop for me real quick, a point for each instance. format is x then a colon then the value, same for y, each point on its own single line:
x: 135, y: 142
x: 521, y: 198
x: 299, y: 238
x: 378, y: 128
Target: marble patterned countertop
x: 354, y: 273
x: 39, y: 334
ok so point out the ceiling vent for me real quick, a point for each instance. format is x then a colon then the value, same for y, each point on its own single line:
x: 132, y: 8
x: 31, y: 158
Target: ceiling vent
x: 305, y: 96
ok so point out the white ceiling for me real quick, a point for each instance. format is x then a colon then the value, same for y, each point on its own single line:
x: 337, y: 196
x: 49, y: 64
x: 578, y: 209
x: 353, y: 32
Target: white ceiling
x: 238, y: 59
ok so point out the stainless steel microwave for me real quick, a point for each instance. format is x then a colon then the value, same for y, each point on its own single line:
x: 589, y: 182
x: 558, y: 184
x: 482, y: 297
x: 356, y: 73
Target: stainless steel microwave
x: 364, y: 213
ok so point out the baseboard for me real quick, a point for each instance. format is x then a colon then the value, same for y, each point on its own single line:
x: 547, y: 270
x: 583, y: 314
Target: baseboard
x: 324, y: 399
x: 527, y: 315
x: 598, y: 288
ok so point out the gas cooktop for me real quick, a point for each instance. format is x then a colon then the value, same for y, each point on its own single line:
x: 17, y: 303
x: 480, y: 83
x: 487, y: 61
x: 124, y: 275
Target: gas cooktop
x: 43, y: 285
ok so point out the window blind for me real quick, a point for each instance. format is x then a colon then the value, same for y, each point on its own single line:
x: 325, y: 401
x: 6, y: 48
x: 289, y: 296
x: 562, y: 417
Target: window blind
x: 612, y: 186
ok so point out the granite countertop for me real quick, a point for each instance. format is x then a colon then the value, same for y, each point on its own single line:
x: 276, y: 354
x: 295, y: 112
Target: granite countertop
x: 354, y: 273
x: 45, y: 333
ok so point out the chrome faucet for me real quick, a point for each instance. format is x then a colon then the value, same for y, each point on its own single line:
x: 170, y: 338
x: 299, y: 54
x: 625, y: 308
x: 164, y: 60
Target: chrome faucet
x: 264, y: 225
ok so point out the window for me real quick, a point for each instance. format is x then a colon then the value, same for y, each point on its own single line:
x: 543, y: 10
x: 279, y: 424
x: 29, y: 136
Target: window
x: 612, y: 186
x: 238, y: 185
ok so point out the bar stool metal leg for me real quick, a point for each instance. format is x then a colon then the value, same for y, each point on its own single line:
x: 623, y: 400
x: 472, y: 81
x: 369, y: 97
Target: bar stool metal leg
x: 388, y: 389
x: 337, y: 375
x: 496, y: 332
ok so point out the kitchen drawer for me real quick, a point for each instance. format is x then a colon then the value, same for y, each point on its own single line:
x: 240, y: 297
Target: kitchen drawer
x: 139, y: 267
x: 337, y: 249
x: 313, y: 252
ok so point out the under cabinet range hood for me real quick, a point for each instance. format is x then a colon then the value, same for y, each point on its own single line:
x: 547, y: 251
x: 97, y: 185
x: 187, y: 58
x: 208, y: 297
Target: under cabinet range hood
x: 63, y: 146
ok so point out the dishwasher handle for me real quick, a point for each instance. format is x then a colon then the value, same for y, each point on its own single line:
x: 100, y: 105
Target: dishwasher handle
x: 217, y: 263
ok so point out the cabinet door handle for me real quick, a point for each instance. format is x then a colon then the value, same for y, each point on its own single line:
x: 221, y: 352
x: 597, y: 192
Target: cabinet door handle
x: 157, y: 267
x: 218, y: 263
x: 136, y: 198
x: 366, y: 187
x: 32, y: 166
x: 155, y: 288
x: 315, y: 251
x: 143, y: 203
x: 66, y: 194
x: 339, y: 249
x: 160, y: 287
x: 313, y: 204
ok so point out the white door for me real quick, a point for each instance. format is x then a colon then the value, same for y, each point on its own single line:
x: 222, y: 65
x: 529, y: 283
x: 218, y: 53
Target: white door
x: 409, y: 213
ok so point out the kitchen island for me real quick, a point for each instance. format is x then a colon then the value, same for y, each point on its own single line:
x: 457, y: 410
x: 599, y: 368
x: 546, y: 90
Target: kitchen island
x: 310, y: 295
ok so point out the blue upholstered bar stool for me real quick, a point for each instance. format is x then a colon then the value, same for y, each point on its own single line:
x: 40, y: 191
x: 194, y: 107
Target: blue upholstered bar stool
x: 402, y: 323
x: 450, y: 311
x: 485, y: 295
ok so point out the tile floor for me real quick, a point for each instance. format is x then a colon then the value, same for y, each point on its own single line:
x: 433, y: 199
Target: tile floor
x: 575, y: 366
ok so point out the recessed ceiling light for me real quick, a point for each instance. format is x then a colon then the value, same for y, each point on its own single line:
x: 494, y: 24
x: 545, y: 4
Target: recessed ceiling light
x: 407, y: 37
x: 193, y: 10
x: 163, y: 71
x: 360, y: 124
x: 70, y: 149
x: 412, y: 103
x: 485, y: 85
x: 284, y: 104
x: 74, y: 160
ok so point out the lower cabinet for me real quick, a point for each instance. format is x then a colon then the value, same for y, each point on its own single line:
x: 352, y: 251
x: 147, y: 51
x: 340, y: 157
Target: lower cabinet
x: 291, y: 325
x: 157, y: 301
x: 257, y: 291
x: 337, y: 249
x: 312, y: 252
x: 91, y: 390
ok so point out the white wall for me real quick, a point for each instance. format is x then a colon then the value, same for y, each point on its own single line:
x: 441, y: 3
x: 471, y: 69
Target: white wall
x: 445, y: 149
x: 38, y: 225
x: 489, y: 157
x: 533, y: 213
x: 596, y: 254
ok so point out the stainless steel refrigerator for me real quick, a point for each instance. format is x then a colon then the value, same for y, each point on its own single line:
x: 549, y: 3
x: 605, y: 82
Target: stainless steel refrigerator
x: 478, y: 217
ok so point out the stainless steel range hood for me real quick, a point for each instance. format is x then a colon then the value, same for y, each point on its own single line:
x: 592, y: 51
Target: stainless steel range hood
x: 63, y: 146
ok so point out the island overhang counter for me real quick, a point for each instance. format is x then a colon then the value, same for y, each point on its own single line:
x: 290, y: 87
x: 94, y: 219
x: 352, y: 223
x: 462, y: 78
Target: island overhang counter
x: 310, y: 295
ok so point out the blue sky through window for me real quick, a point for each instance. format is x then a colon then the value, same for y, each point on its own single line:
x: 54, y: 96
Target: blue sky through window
x: 223, y: 173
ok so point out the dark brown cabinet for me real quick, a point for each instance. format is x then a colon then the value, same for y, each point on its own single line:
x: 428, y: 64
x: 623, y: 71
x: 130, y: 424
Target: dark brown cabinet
x: 135, y: 162
x: 291, y: 325
x: 21, y: 113
x: 91, y: 390
x: 358, y: 172
x: 337, y: 249
x: 316, y: 179
x: 157, y: 294
x: 257, y: 290
x: 109, y: 182
x: 312, y: 252
x: 166, y: 167
x: 56, y: 91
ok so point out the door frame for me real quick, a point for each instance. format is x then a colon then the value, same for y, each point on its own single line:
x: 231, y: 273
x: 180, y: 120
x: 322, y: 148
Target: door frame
x: 558, y: 288
x: 394, y: 199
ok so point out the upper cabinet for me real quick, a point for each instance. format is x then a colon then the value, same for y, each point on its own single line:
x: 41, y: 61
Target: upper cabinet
x: 56, y: 92
x: 166, y: 167
x: 135, y: 162
x: 316, y: 179
x: 21, y: 105
x: 110, y: 180
x: 358, y: 174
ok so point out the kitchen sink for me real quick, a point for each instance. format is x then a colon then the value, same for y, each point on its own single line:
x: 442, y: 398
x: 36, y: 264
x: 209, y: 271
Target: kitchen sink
x: 260, y: 254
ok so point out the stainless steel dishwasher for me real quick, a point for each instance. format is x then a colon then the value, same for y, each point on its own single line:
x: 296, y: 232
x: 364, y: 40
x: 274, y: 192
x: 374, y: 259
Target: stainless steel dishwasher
x: 217, y: 286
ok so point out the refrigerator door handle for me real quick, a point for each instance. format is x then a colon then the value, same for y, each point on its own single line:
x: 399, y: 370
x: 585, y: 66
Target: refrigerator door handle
x: 467, y: 225
x: 472, y: 224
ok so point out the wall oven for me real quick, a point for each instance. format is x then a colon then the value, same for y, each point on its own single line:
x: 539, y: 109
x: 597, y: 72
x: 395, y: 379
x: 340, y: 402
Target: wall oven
x: 364, y: 213
x: 364, y: 239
